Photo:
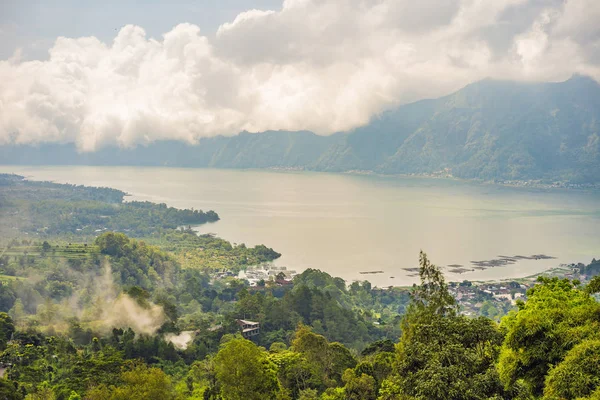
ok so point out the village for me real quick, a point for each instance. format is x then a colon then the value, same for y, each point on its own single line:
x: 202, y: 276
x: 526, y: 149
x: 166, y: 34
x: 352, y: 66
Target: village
x: 492, y: 299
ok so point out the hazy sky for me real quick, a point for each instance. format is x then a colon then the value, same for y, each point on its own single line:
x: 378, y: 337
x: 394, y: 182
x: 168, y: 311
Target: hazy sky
x: 130, y: 72
x: 34, y: 25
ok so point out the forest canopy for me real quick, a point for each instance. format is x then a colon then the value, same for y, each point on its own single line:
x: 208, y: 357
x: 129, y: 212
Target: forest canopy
x: 318, y: 340
x: 152, y: 310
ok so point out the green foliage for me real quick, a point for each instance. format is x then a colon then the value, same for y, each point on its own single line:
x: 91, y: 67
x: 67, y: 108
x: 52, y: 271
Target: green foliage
x: 594, y: 285
x: 139, y: 383
x: 359, y: 387
x: 592, y: 268
x: 315, y: 328
x: 244, y: 371
x: 42, y: 392
x: 329, y: 359
x: 449, y: 358
x: 296, y: 373
x: 385, y: 345
x: 9, y: 391
x: 557, y: 316
x: 137, y: 263
x: 308, y: 394
x: 53, y: 209
x: 442, y: 355
x: 209, y: 253
x: 74, y: 396
x: 431, y: 297
x: 577, y: 375
x: 7, y: 328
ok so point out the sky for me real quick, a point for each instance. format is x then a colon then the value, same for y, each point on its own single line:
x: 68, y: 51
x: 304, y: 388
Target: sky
x: 131, y: 72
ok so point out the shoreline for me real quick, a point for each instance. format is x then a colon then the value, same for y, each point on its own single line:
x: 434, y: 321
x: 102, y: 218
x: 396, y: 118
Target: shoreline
x: 441, y: 175
x: 530, y: 184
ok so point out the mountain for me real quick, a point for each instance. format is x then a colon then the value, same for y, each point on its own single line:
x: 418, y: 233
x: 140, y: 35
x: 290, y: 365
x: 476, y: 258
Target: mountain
x: 491, y: 130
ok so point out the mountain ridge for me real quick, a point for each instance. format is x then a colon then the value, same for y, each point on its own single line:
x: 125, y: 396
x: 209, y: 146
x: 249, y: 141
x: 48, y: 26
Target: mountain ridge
x: 490, y: 130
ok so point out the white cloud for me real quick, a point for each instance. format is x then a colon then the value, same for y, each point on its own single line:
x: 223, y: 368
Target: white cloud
x: 321, y: 65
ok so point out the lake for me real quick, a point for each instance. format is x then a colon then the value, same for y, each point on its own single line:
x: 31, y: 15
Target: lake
x: 346, y: 224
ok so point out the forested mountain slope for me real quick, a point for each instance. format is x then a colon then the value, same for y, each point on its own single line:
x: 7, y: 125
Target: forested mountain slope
x: 491, y: 130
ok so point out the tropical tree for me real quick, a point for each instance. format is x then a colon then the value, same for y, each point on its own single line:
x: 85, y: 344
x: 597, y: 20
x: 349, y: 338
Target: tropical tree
x: 557, y: 316
x: 139, y: 382
x: 7, y: 328
x: 243, y: 371
x: 578, y: 375
x: 431, y: 297
x: 442, y: 355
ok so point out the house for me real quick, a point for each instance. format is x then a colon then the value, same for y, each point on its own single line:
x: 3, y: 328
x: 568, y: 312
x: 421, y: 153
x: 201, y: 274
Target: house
x: 249, y: 328
x: 283, y: 282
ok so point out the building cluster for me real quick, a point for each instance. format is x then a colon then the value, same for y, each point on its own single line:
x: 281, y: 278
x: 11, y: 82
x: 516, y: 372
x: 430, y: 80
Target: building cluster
x: 490, y: 298
x: 259, y: 275
x: 551, y: 185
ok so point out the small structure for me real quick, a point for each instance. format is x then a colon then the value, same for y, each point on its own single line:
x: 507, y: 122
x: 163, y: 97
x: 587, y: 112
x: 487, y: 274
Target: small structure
x: 283, y: 282
x: 3, y: 368
x: 249, y: 328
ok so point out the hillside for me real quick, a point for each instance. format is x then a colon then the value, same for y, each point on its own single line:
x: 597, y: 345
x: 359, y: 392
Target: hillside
x: 491, y: 130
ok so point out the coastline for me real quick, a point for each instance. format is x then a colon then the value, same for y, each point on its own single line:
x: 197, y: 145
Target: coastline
x: 446, y: 175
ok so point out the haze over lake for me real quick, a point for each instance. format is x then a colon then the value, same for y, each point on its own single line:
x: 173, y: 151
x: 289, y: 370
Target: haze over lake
x: 346, y: 224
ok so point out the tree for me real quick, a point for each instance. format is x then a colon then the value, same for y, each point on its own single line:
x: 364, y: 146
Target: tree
x: 359, y: 387
x: 113, y: 244
x: 314, y: 347
x: 43, y: 392
x: 431, y: 297
x: 8, y: 390
x: 308, y: 394
x: 578, y: 375
x: 7, y: 328
x: 140, y: 382
x: 17, y: 312
x: 74, y: 396
x: 556, y: 317
x: 449, y: 358
x: 244, y: 372
x: 442, y: 355
x: 594, y: 285
x: 296, y: 373
x: 340, y: 359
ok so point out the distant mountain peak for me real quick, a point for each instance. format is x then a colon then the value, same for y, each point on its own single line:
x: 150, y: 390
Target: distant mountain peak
x: 491, y: 129
x: 581, y: 79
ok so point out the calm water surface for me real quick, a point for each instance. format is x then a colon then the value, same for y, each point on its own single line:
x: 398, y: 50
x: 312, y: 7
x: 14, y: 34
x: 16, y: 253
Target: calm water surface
x: 347, y: 224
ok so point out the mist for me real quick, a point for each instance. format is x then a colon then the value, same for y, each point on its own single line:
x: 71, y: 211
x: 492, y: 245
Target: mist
x: 182, y: 340
x: 99, y: 305
x: 119, y: 310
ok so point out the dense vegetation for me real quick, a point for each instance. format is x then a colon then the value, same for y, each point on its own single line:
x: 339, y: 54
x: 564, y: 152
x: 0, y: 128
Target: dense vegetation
x: 115, y: 317
x: 592, y: 268
x: 73, y: 286
x: 54, y: 209
x: 316, y: 341
x: 492, y: 130
x: 208, y: 252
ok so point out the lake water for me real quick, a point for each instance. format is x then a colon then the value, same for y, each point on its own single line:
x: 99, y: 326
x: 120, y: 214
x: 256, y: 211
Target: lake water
x: 346, y: 224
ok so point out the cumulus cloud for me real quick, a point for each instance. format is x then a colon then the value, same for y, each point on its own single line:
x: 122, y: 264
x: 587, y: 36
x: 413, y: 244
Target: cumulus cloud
x: 320, y: 65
